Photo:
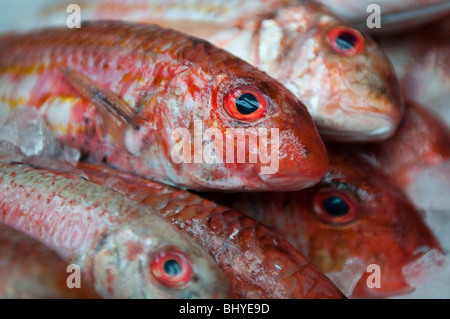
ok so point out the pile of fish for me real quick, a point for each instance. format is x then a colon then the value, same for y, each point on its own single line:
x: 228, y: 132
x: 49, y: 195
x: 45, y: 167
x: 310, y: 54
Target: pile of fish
x: 224, y: 149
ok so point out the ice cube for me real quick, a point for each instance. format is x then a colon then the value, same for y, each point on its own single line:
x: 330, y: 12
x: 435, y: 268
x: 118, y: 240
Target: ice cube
x: 439, y: 223
x: 431, y: 188
x: 25, y: 130
x: 348, y: 277
x: 424, y: 269
x: 10, y: 153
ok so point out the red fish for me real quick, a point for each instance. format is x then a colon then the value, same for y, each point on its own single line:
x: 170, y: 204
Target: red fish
x: 353, y: 218
x: 124, y: 249
x: 343, y: 77
x: 257, y: 262
x: 163, y: 105
x: 30, y: 270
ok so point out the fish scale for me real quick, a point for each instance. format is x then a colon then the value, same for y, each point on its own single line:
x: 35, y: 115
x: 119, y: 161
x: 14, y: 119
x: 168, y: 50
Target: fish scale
x: 114, y: 240
x: 339, y: 238
x: 257, y: 262
x: 148, y: 65
x: 351, y: 96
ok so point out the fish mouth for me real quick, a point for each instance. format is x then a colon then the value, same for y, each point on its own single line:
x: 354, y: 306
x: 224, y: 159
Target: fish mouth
x: 360, y: 127
x: 288, y: 183
x: 404, y: 280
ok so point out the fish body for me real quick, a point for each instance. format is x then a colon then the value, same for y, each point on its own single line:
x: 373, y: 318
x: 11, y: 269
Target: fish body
x: 125, y: 250
x: 30, y: 270
x: 161, y: 104
x: 342, y: 76
x: 354, y: 218
x: 257, y: 262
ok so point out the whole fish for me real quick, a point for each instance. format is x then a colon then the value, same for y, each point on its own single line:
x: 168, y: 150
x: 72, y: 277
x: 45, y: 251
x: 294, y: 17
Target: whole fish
x: 394, y: 15
x: 417, y: 157
x: 124, y: 249
x: 164, y: 105
x: 421, y: 58
x: 257, y: 262
x: 354, y: 218
x: 30, y: 270
x: 342, y: 76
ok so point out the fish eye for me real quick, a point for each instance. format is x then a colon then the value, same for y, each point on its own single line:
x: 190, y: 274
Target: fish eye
x: 346, y: 41
x: 335, y: 206
x: 245, y: 103
x: 171, y: 268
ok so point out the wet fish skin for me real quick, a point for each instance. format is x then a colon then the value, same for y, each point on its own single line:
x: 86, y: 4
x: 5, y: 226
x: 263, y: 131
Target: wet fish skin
x: 381, y: 226
x: 170, y: 81
x: 117, y: 243
x: 30, y: 270
x: 350, y: 97
x: 257, y: 262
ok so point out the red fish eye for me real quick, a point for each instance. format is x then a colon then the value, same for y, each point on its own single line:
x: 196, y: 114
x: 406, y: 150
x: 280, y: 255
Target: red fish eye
x: 245, y: 103
x: 171, y: 268
x: 346, y: 40
x: 335, y: 206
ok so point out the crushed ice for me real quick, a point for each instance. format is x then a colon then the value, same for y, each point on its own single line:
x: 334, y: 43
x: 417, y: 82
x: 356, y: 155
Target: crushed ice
x: 25, y: 138
x: 425, y: 269
x: 438, y: 287
x: 431, y: 188
x: 348, y: 277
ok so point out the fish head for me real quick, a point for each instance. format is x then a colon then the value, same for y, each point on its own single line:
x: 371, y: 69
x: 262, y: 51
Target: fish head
x: 151, y: 264
x: 297, y: 154
x: 255, y: 134
x: 342, y: 75
x: 208, y: 120
x: 357, y: 221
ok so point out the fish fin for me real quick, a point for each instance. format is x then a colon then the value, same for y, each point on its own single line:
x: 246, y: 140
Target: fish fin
x: 115, y: 112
